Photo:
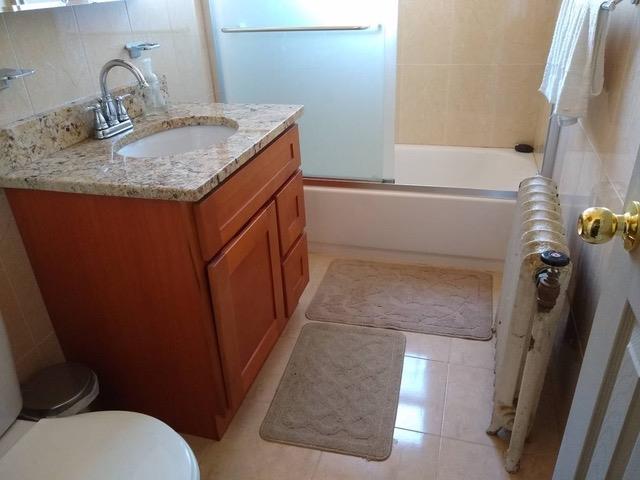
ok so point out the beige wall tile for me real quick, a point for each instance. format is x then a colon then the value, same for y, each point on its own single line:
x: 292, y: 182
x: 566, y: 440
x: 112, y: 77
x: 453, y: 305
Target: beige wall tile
x: 185, y: 16
x: 41, y: 356
x: 421, y: 103
x: 68, y: 46
x: 477, y: 27
x: 104, y: 30
x: 517, y: 104
x: 17, y: 329
x: 468, y: 129
x: 103, y: 18
x: 473, y: 40
x: 527, y: 30
x: 517, y: 90
x: 16, y: 263
x: 49, y: 41
x: 470, y: 105
x: 28, y: 364
x: 425, y: 32
x: 14, y: 102
x: 507, y: 135
x: 196, y: 83
x: 149, y: 16
x: 31, y: 334
x: 50, y: 350
x: 472, y: 89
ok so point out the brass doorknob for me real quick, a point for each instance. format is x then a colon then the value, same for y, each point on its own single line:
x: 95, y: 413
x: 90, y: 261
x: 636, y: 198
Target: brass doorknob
x: 599, y: 225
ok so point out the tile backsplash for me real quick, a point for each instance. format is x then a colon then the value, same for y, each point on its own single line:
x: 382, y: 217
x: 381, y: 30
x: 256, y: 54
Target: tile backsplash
x: 67, y: 47
x: 469, y: 70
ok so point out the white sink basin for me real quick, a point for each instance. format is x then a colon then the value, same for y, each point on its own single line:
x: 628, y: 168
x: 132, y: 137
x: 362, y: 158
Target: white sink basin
x: 177, y: 140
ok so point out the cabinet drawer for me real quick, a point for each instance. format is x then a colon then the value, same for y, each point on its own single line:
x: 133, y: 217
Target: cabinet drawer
x: 291, y: 216
x: 295, y: 273
x: 227, y: 209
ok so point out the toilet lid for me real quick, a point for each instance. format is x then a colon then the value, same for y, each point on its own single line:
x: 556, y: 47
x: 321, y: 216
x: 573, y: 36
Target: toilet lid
x: 100, y: 446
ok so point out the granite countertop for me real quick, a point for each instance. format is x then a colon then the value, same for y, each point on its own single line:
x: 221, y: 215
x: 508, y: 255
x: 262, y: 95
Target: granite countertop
x: 92, y: 166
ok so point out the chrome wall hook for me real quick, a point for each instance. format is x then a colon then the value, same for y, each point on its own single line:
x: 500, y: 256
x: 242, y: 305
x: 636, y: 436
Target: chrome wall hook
x: 8, y: 74
x: 135, y: 48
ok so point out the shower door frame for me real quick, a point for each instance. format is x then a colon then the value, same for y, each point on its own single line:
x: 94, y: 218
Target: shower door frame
x: 390, y: 32
x: 400, y: 187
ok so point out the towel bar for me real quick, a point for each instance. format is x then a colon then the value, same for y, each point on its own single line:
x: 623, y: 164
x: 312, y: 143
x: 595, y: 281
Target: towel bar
x: 321, y: 28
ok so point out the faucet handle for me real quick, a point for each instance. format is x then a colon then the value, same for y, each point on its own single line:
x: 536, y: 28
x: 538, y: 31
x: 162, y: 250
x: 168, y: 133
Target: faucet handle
x: 98, y: 117
x: 109, y: 110
x: 121, y: 110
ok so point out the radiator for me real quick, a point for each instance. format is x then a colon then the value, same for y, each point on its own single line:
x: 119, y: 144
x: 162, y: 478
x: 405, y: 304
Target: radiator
x: 535, y: 282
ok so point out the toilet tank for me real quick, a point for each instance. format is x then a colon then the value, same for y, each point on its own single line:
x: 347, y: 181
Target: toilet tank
x: 10, y: 398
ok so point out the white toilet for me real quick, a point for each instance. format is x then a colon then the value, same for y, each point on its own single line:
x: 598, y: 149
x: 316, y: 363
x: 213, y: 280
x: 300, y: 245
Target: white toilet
x: 89, y: 446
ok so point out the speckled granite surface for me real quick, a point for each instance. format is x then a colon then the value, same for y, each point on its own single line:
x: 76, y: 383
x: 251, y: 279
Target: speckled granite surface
x: 41, y: 135
x: 31, y: 156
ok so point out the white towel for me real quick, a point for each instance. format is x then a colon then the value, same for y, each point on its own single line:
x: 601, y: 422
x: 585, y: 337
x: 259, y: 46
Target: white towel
x: 575, y: 66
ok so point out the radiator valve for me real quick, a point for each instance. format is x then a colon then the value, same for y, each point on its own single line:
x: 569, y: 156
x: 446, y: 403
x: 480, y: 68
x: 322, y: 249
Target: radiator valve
x: 548, y: 279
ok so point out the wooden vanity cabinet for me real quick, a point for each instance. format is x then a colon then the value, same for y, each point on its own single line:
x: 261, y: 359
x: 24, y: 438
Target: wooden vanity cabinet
x: 175, y: 305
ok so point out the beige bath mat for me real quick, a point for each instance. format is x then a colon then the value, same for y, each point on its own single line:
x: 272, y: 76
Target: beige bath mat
x: 339, y: 392
x: 405, y: 297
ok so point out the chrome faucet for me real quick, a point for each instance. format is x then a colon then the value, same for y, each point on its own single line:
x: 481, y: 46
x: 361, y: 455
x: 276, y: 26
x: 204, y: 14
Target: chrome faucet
x: 110, y: 114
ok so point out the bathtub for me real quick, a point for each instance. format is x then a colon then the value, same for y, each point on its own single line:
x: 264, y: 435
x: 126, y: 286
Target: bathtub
x: 456, y: 203
x: 462, y: 167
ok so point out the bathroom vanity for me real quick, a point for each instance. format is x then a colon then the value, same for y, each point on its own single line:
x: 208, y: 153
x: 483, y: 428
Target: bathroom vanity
x: 172, y: 277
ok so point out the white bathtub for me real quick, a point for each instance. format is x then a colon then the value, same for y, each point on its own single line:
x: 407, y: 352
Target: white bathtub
x: 462, y: 167
x: 469, y: 220
x: 409, y: 222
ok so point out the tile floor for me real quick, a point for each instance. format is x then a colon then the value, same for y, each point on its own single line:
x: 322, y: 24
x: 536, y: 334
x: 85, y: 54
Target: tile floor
x: 445, y: 406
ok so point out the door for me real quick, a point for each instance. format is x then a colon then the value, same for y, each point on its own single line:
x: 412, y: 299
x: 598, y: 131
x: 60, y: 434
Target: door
x: 601, y: 440
x: 248, y: 303
x: 335, y: 57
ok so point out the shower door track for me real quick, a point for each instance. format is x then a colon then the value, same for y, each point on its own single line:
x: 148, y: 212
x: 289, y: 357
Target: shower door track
x: 394, y: 187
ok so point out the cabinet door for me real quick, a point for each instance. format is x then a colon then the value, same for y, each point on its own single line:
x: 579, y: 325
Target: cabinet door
x: 295, y: 272
x: 248, y: 302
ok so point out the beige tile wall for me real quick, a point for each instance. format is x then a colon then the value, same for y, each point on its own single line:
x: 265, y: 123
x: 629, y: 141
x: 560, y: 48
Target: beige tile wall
x: 28, y: 325
x: 67, y: 47
x: 595, y: 162
x: 469, y: 70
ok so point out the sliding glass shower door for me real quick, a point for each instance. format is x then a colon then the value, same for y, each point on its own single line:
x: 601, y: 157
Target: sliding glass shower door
x: 335, y: 57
